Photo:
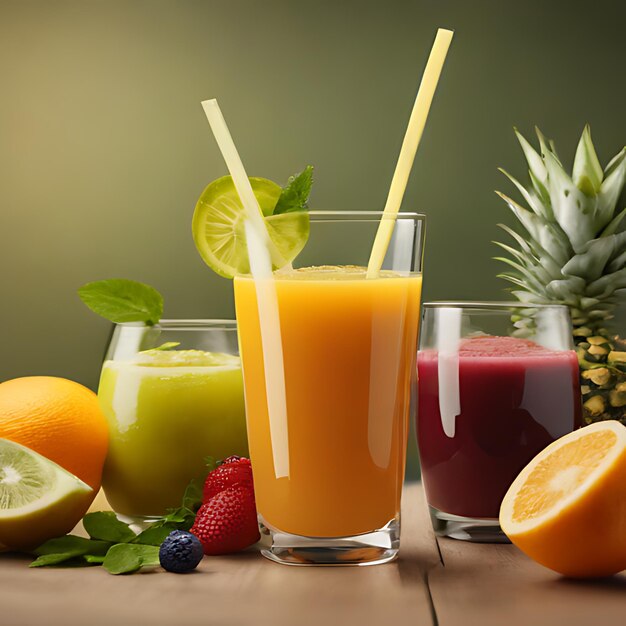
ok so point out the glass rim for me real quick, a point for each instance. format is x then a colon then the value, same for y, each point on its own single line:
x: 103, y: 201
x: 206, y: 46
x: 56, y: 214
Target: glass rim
x: 493, y: 305
x: 363, y: 216
x: 185, y: 324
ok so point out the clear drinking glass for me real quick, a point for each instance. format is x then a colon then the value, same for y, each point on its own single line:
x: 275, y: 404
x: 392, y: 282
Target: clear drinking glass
x: 168, y: 409
x: 498, y: 382
x: 328, y: 377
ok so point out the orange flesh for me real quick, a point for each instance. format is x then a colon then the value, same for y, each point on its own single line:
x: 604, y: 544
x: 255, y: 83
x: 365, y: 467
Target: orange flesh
x: 349, y: 355
x: 558, y: 475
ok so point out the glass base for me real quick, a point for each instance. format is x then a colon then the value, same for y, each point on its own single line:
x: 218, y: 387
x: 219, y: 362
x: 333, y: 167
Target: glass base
x: 373, y: 548
x: 478, y: 530
x: 137, y: 523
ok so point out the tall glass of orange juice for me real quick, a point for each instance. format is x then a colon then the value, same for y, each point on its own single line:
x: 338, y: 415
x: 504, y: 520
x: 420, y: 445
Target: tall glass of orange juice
x: 328, y: 360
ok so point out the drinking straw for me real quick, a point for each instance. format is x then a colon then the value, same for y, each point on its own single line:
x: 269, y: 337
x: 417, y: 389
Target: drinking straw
x: 412, y: 137
x: 240, y: 178
x: 272, y: 348
x: 261, y: 251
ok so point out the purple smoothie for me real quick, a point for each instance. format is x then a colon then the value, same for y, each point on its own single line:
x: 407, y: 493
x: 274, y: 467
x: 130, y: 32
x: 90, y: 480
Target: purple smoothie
x: 516, y: 397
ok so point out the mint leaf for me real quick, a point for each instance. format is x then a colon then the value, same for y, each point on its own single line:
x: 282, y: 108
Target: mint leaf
x: 72, y: 543
x: 176, y: 519
x: 104, y: 525
x: 125, y: 558
x: 184, y: 516
x: 47, y: 560
x: 94, y: 559
x: 295, y: 194
x: 63, y: 549
x: 120, y: 300
x: 175, y: 516
x: 155, y: 535
x: 122, y: 559
x: 62, y: 559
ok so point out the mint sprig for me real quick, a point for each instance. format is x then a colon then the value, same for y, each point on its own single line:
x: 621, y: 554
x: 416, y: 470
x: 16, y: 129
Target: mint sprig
x: 114, y: 545
x: 105, y: 526
x: 121, y: 300
x: 295, y: 195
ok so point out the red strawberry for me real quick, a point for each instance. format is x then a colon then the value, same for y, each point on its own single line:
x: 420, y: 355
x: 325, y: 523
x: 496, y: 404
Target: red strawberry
x: 234, y: 470
x: 228, y: 521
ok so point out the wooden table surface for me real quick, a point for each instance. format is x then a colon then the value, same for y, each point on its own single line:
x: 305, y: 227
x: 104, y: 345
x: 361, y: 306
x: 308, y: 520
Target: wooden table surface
x: 434, y: 582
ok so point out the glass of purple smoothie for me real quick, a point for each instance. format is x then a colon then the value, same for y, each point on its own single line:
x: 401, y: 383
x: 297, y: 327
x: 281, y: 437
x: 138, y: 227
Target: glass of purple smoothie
x: 497, y: 383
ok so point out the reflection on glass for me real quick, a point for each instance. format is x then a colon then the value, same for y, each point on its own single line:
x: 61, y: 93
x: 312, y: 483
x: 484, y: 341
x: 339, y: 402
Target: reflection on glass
x: 328, y: 490
x: 497, y: 384
x: 168, y: 410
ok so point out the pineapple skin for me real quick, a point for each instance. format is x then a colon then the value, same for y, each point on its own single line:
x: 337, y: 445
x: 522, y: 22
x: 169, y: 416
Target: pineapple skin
x: 574, y: 253
x: 602, y: 376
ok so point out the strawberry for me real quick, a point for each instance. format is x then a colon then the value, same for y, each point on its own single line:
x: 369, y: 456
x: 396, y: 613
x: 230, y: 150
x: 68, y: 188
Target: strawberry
x: 228, y: 521
x: 232, y: 471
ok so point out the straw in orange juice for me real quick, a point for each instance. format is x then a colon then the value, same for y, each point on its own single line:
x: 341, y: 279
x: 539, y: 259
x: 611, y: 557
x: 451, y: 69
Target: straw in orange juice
x: 328, y: 355
x: 348, y: 348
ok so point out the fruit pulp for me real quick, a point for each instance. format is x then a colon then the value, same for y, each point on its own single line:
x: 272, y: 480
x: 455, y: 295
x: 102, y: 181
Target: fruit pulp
x: 575, y: 484
x: 516, y: 397
x: 348, y: 347
x: 39, y: 500
x: 164, y: 420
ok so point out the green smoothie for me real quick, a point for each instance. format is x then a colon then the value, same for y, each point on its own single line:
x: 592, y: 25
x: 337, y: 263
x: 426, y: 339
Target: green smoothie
x: 167, y: 411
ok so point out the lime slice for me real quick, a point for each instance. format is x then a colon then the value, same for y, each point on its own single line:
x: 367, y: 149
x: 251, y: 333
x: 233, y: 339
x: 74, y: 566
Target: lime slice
x: 39, y: 500
x: 185, y: 358
x: 219, y: 233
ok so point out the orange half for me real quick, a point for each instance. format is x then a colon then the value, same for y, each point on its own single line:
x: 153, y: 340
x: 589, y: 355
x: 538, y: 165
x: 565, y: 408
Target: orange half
x: 567, y: 508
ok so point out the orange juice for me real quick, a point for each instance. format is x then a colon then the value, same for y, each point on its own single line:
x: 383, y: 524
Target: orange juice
x: 349, y: 347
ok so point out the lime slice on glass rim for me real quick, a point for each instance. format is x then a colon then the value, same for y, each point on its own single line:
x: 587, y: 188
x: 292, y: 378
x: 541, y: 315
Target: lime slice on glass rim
x: 39, y: 500
x: 219, y: 232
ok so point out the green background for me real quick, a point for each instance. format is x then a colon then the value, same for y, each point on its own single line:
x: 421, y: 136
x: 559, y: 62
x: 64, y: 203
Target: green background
x: 104, y: 147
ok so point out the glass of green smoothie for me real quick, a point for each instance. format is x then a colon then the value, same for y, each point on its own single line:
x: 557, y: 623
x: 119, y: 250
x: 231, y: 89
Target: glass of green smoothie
x: 173, y: 396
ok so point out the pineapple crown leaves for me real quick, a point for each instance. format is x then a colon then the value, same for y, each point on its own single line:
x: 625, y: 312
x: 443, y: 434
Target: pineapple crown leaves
x: 547, y: 237
x: 573, y: 252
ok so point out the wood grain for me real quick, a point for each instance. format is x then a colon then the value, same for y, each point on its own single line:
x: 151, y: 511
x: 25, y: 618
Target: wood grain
x: 495, y: 584
x: 241, y: 589
x: 469, y: 584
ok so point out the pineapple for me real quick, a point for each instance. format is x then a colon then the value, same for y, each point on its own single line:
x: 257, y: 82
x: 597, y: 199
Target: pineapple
x: 574, y: 253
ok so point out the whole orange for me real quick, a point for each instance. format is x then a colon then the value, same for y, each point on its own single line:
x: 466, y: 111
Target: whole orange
x: 58, y: 418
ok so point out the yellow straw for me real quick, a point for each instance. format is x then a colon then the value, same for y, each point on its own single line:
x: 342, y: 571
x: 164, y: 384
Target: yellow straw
x: 414, y: 131
x: 261, y: 251
x: 240, y: 178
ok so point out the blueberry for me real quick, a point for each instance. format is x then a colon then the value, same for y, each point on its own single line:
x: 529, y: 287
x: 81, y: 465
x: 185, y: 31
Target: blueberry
x: 180, y: 552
